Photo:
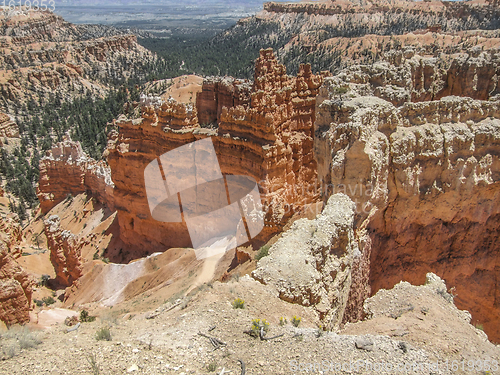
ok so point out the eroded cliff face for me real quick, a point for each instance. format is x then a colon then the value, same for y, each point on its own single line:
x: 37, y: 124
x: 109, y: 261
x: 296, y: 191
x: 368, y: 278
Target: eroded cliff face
x: 423, y: 170
x: 16, y: 288
x: 269, y: 139
x: 67, y: 170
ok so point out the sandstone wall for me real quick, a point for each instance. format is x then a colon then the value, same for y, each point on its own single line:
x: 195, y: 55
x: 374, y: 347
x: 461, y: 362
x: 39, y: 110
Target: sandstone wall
x: 65, y: 252
x: 220, y: 92
x: 424, y: 176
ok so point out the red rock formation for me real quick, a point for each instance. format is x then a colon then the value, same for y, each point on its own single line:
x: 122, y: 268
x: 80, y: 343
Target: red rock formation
x: 67, y: 170
x: 65, y: 252
x: 270, y: 139
x: 219, y: 92
x: 16, y: 287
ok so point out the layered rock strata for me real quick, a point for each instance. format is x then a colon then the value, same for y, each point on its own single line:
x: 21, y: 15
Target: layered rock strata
x: 269, y: 139
x: 67, y: 170
x: 424, y: 173
x: 43, y: 55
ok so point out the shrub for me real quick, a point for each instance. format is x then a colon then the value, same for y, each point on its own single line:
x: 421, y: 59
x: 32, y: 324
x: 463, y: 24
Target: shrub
x: 257, y: 324
x: 103, y: 334
x: 105, y: 260
x: 44, y: 280
x: 85, y: 317
x: 38, y: 302
x: 9, y: 351
x: 27, y: 339
x: 479, y: 326
x: 282, y: 321
x: 48, y: 300
x: 238, y: 303
x: 296, y: 321
x: 212, y: 366
x: 263, y: 252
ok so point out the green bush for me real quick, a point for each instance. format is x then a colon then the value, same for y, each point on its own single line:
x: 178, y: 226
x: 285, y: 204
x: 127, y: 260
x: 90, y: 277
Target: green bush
x: 103, y: 334
x: 85, y: 317
x: 238, y: 303
x: 48, y: 300
x: 44, y: 280
x: 263, y: 252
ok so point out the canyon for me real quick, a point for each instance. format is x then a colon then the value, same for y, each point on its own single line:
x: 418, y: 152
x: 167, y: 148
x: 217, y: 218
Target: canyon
x: 379, y: 170
x: 399, y: 133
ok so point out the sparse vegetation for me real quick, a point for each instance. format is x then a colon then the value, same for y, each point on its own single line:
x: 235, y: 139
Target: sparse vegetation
x: 103, y: 334
x: 85, y: 317
x: 44, y: 279
x: 48, y: 300
x: 283, y: 321
x: 257, y: 324
x: 296, y: 321
x: 93, y: 364
x: 27, y: 339
x: 447, y: 296
x: 263, y: 252
x: 479, y: 326
x: 238, y: 303
x: 212, y: 366
x: 17, y: 339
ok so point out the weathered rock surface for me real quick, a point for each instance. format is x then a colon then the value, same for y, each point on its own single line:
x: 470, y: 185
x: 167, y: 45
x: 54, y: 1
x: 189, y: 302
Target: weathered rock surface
x: 16, y: 288
x: 65, y: 251
x: 424, y: 174
x: 11, y: 234
x: 66, y: 169
x: 311, y: 263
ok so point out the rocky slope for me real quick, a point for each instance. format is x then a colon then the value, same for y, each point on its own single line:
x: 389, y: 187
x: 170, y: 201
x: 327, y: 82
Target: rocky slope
x: 412, y: 141
x: 311, y: 263
x: 412, y: 326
